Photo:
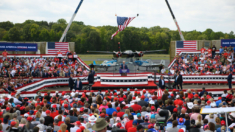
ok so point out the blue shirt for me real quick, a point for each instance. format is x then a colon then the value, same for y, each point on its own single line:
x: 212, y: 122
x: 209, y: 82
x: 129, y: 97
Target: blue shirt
x: 218, y: 102
x: 221, y: 50
x: 110, y: 111
x: 207, y: 106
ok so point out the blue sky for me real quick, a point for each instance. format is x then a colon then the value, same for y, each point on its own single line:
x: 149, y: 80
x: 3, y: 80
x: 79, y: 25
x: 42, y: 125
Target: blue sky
x: 191, y: 14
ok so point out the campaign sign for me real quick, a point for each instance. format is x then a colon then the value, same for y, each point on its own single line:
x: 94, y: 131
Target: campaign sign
x: 228, y: 42
x: 18, y: 46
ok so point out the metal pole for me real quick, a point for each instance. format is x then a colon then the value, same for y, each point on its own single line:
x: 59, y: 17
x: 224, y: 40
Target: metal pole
x: 176, y: 23
x: 226, y: 118
x: 68, y: 26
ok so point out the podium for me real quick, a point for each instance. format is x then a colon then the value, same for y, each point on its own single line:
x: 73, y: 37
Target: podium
x: 123, y: 72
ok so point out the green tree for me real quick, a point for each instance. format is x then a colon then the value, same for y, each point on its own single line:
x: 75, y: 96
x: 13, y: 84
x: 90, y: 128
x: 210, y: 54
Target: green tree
x: 14, y: 34
x: 62, y: 21
x: 44, y: 35
x: 6, y: 25
x: 34, y: 32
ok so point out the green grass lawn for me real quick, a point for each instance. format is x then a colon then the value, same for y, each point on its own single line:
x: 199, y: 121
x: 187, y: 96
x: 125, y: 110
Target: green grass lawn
x: 88, y: 58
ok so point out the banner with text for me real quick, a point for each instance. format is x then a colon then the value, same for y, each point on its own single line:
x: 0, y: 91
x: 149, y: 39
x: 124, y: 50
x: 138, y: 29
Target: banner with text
x: 228, y: 42
x: 18, y: 46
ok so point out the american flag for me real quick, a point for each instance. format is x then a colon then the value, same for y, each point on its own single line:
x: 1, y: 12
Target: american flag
x: 122, y: 24
x: 54, y: 47
x: 182, y: 46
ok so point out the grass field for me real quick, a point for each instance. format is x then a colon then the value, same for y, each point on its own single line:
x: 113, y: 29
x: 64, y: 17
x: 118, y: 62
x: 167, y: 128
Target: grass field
x: 89, y: 58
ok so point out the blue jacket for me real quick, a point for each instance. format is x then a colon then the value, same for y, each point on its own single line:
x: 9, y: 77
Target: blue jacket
x: 218, y: 102
x: 110, y: 111
x: 80, y: 85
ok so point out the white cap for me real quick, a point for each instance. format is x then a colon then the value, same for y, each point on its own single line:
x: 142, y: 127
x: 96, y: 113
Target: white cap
x: 190, y: 105
x: 26, y: 115
x: 177, y: 96
x: 136, y: 89
x: 73, y: 90
x: 56, y: 91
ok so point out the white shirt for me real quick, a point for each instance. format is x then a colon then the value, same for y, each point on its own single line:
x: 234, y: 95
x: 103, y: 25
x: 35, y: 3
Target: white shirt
x: 163, y: 70
x: 74, y: 129
x: 62, y: 117
x: 162, y: 82
x: 16, y: 101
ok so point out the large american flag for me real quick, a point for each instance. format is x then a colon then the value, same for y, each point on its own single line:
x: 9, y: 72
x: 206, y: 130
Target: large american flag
x: 54, y: 47
x: 122, y: 24
x: 182, y: 46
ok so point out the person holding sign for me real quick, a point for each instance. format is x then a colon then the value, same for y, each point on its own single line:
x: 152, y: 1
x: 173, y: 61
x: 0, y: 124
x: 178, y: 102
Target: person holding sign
x: 59, y: 55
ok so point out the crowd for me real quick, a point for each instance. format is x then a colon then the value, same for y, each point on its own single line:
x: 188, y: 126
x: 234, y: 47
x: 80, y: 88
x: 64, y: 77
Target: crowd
x: 203, y: 63
x: 116, y: 111
x: 31, y: 67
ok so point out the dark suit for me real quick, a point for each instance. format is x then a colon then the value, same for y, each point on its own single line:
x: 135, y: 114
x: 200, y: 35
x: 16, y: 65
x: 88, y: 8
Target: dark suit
x: 125, y: 66
x: 79, y: 85
x: 229, y: 79
x: 162, y: 86
x: 178, y: 81
x: 34, y: 74
x: 71, y: 82
x: 91, y: 78
x: 45, y: 75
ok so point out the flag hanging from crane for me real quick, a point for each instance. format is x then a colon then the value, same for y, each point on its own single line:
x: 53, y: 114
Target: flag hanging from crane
x: 122, y: 24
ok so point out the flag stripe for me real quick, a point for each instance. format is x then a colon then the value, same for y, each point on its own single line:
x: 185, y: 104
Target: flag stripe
x: 186, y: 46
x: 62, y: 46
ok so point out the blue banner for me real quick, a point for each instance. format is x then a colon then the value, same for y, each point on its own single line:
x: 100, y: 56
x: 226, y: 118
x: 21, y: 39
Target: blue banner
x: 228, y: 42
x: 18, y: 46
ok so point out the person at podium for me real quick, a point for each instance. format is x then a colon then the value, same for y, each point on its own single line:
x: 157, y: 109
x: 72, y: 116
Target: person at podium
x: 123, y: 69
x: 123, y: 66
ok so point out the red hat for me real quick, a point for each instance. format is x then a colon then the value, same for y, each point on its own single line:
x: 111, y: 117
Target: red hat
x: 48, y: 111
x: 208, y: 102
x: 150, y: 126
x: 12, y: 94
x: 1, y: 113
x: 78, y: 130
x: 26, y: 98
x: 152, y: 91
x: 45, y: 94
x: 18, y: 106
x: 222, y: 123
x: 118, y: 108
x: 202, y: 98
x: 84, y: 91
x: 41, y: 103
x: 142, y: 97
x: 133, y: 97
x: 106, y: 91
x: 115, y: 94
x: 181, y: 130
x: 152, y: 108
x: 29, y: 118
x: 174, y: 90
x: 13, y: 123
x: 175, y: 110
x: 7, y: 109
x: 124, y: 96
x: 63, y: 93
x: 114, y: 113
x: 78, y: 123
x: 115, y: 99
x: 102, y: 115
x: 219, y: 98
x: 172, y: 95
x: 196, y: 95
x: 119, y: 125
x: 82, y: 109
x: 22, y: 108
x: 65, y: 105
x: 144, y: 91
x: 138, y: 92
x: 181, y: 120
x: 54, y: 106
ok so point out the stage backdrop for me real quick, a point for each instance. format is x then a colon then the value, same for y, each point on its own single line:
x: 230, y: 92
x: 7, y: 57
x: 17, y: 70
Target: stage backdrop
x: 18, y: 46
x: 228, y: 42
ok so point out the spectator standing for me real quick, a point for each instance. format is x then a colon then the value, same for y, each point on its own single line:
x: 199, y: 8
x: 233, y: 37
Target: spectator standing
x: 4, y: 54
x: 221, y: 50
x: 229, y: 79
x: 161, y: 82
x: 203, y: 51
x: 178, y: 81
x: 71, y: 82
x: 213, y: 51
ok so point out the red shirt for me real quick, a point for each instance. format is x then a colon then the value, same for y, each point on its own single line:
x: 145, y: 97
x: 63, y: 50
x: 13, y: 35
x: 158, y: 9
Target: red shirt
x: 132, y: 129
x: 4, y: 54
x: 209, y: 51
x: 190, y: 95
x: 128, y: 124
x: 225, y: 55
x: 136, y: 107
x: 54, y: 114
x: 203, y: 50
x: 120, y: 114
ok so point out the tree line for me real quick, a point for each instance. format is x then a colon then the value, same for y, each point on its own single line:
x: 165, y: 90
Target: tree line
x: 88, y: 37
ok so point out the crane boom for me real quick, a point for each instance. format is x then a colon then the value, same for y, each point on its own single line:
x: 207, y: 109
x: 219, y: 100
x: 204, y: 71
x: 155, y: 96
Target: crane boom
x: 176, y: 23
x: 68, y: 26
